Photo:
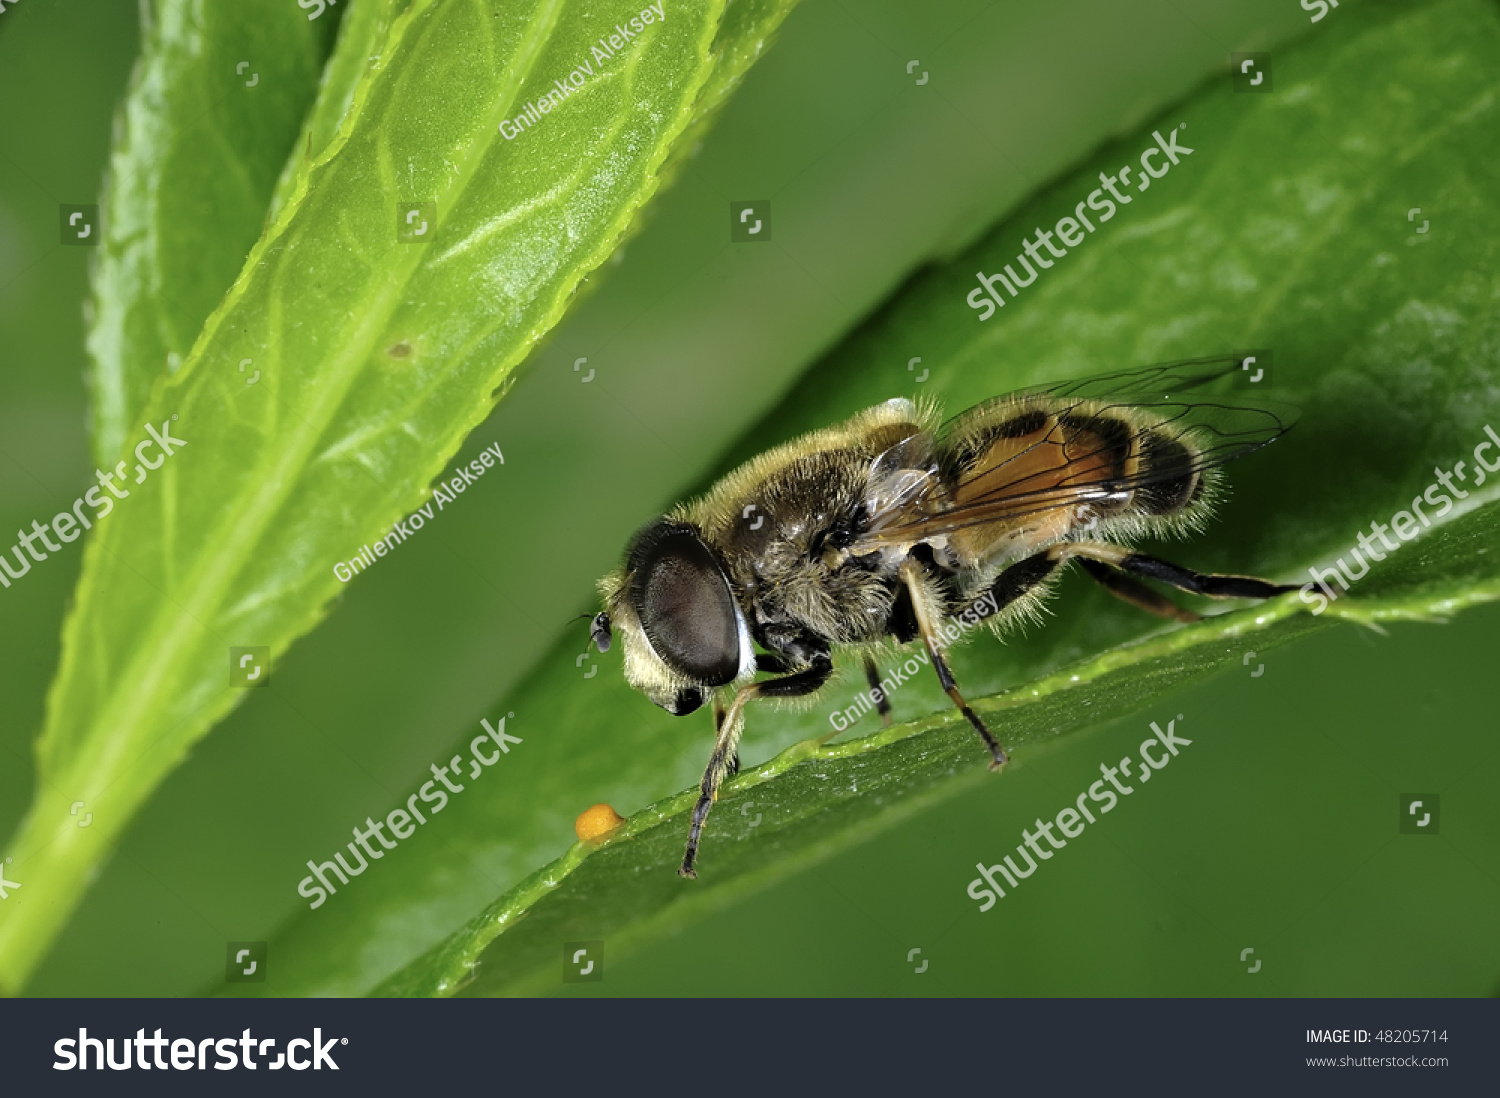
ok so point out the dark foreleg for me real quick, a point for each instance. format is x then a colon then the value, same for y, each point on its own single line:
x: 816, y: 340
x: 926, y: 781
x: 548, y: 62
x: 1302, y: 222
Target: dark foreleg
x: 728, y: 738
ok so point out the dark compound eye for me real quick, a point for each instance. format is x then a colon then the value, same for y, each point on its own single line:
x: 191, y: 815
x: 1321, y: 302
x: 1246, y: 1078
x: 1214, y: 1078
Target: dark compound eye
x: 684, y: 603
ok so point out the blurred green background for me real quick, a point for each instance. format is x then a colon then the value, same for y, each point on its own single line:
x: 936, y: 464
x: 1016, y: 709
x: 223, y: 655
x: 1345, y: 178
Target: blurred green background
x: 1277, y: 831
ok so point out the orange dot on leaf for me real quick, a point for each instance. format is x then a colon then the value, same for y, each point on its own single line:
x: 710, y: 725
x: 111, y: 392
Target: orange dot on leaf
x: 597, y: 822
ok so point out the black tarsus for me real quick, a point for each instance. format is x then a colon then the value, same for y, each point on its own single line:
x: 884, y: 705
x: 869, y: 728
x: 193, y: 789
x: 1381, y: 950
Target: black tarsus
x: 1202, y: 583
x: 882, y: 703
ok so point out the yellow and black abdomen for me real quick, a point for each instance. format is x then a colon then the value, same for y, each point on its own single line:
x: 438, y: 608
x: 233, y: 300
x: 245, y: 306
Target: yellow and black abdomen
x: 1033, y: 472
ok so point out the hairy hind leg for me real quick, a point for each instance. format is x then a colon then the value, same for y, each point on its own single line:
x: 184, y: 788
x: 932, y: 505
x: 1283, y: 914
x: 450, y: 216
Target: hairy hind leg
x: 1213, y: 584
x: 1135, y: 592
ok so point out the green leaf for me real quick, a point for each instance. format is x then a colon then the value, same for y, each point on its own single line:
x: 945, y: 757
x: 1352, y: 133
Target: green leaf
x: 814, y: 798
x: 376, y: 356
x: 362, y: 35
x: 196, y: 154
x: 1284, y: 229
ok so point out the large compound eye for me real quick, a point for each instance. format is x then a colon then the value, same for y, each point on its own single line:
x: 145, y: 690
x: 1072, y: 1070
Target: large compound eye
x: 683, y: 600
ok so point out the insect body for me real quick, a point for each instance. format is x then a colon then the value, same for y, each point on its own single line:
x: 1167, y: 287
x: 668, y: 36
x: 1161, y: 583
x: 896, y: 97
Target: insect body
x: 888, y: 525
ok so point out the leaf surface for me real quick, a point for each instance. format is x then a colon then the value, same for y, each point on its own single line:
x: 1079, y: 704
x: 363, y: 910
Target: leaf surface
x: 418, y: 259
x: 196, y: 154
x: 363, y: 32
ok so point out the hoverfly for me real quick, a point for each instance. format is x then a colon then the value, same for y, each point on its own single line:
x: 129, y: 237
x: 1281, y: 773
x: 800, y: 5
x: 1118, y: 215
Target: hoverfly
x: 889, y: 525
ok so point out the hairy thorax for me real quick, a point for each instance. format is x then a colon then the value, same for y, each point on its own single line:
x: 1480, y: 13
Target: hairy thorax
x: 777, y: 541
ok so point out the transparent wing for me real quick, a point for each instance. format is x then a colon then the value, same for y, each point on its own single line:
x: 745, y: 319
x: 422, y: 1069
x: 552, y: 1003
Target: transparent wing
x: 1015, y: 457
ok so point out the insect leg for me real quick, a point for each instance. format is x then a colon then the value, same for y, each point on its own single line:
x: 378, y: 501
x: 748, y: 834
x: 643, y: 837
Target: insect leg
x: 882, y: 703
x: 771, y: 662
x: 1214, y: 585
x: 911, y: 574
x: 734, y: 760
x: 725, y: 744
x: 1014, y: 582
x: 1136, y: 593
